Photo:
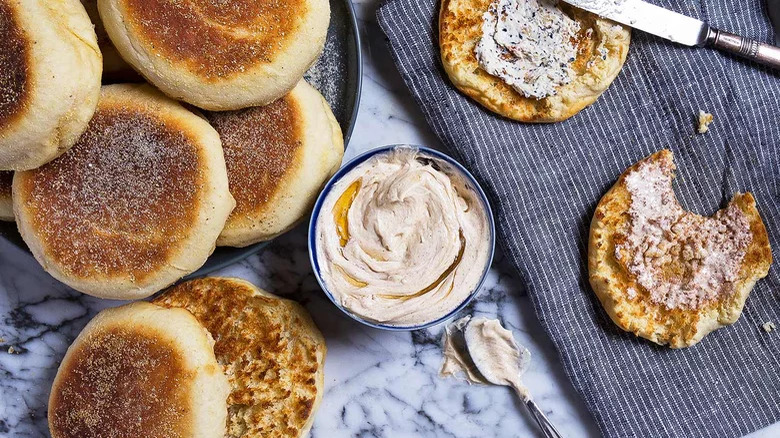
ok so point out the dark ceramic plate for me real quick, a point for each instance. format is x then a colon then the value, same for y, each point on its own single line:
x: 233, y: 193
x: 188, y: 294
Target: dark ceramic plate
x: 337, y: 74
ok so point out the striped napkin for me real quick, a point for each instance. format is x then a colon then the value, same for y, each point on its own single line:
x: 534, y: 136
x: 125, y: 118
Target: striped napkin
x: 544, y: 182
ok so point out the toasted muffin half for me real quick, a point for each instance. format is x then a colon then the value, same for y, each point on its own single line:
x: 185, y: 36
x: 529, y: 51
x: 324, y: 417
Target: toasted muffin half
x: 271, y: 351
x: 602, y: 47
x: 666, y: 274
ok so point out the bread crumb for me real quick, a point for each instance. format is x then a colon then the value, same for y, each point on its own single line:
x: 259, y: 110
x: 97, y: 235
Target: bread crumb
x: 704, y: 121
x: 768, y: 327
x: 2, y: 339
x: 12, y: 350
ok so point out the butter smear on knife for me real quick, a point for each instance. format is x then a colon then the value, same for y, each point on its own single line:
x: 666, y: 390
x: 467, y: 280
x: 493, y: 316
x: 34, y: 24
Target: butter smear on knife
x: 599, y: 7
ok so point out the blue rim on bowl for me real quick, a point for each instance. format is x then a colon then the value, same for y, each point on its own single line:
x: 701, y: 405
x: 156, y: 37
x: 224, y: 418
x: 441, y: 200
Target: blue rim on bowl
x: 312, y: 237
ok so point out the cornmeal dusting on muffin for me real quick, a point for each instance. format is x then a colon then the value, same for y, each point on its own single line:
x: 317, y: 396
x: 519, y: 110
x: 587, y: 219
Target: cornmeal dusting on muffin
x: 132, y: 179
x: 768, y: 326
x: 529, y: 44
x: 682, y: 259
x: 705, y: 119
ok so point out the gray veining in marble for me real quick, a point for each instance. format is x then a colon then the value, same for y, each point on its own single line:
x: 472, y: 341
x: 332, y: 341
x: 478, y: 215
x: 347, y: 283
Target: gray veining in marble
x: 378, y: 384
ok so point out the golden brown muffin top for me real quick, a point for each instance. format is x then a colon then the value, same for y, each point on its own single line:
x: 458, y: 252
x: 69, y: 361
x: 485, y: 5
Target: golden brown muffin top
x: 216, y: 39
x: 121, y: 200
x: 262, y: 146
x: 122, y: 382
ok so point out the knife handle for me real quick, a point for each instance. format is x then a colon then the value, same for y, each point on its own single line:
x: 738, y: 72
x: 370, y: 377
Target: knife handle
x: 745, y: 47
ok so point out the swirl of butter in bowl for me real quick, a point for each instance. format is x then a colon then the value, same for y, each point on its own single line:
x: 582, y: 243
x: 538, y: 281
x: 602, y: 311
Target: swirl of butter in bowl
x: 401, y: 237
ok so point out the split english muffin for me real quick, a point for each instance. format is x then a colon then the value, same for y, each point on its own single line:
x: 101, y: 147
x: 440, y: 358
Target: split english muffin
x: 140, y: 370
x: 135, y: 205
x: 278, y: 158
x: 219, y: 55
x: 271, y: 351
x: 666, y: 274
x: 6, y: 203
x: 50, y: 68
x: 530, y: 60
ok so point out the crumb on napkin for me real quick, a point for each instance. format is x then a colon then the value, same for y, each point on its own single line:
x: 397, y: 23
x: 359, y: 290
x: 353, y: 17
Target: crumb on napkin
x: 704, y: 122
x: 768, y: 326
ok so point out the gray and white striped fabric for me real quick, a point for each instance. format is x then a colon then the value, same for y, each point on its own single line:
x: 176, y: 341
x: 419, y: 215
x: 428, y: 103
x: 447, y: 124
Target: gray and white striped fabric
x: 545, y: 180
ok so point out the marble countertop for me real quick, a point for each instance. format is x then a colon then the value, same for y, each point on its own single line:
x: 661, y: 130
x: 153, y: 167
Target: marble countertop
x: 378, y: 383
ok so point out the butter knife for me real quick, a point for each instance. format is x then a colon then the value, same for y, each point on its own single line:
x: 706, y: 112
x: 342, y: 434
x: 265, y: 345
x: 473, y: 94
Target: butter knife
x: 680, y: 28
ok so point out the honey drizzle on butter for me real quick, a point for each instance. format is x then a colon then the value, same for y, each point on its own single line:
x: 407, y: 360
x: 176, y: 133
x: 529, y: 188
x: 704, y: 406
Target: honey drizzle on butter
x: 438, y: 281
x: 350, y: 279
x: 341, y: 210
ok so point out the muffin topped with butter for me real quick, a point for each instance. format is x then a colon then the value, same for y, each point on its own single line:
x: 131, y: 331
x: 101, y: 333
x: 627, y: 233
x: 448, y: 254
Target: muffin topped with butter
x: 530, y: 60
x: 402, y: 239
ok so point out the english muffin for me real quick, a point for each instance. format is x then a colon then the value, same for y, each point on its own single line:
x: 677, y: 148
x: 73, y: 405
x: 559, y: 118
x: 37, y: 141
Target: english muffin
x: 135, y: 205
x: 271, y: 351
x: 140, y: 371
x: 278, y: 158
x: 115, y: 69
x: 219, y: 55
x: 6, y: 204
x: 530, y: 60
x: 666, y: 274
x: 50, y: 70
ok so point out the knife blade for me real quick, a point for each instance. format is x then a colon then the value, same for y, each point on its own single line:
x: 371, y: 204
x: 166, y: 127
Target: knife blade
x: 679, y: 28
x: 649, y: 18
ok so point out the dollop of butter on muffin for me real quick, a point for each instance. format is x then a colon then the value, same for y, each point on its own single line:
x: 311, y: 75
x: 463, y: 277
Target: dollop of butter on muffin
x: 529, y: 44
x: 683, y: 259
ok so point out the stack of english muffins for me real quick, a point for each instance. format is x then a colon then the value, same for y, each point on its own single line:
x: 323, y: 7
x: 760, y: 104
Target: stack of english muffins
x: 209, y: 358
x: 121, y: 190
